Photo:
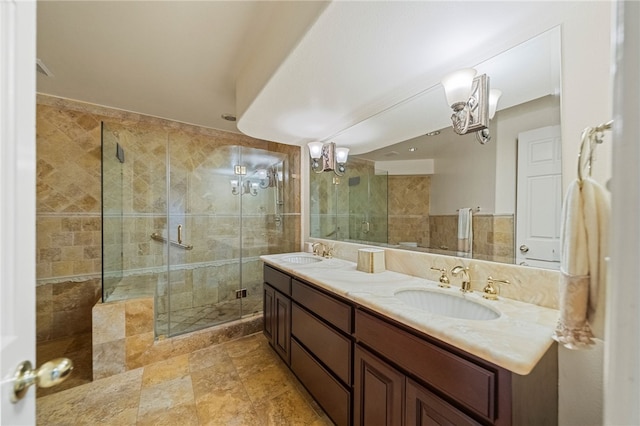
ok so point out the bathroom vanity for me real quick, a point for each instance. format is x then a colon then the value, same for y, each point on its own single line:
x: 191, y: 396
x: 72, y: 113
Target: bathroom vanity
x: 370, y: 359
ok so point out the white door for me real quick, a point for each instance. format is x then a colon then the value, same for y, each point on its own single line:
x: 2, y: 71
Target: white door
x: 17, y: 202
x: 539, y: 201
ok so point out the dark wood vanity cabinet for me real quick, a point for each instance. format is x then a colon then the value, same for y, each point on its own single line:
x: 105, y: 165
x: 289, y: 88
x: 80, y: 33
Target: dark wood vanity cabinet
x: 277, y: 312
x: 378, y: 391
x: 366, y: 369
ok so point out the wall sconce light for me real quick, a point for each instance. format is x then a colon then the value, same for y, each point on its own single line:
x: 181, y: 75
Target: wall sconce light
x: 326, y: 157
x: 472, y: 103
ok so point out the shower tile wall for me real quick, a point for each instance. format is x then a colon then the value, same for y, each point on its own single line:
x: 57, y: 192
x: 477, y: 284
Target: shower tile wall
x: 409, y: 209
x: 69, y: 234
x: 493, y: 236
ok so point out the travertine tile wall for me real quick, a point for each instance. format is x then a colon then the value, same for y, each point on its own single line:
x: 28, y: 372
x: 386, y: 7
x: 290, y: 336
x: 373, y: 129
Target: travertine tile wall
x: 493, y: 235
x: 409, y: 209
x: 69, y: 205
x: 124, y: 339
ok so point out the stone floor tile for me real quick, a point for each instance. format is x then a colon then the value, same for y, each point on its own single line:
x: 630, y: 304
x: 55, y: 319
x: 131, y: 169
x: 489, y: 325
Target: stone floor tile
x: 181, y: 414
x: 163, y: 371
x: 267, y: 384
x: 227, y: 407
x: 165, y: 396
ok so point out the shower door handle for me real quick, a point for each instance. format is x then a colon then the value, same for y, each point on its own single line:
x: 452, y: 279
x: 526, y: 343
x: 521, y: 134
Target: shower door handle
x: 179, y: 234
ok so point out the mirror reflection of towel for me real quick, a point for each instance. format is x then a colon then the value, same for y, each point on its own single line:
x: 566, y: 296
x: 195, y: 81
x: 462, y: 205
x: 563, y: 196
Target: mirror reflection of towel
x: 465, y: 230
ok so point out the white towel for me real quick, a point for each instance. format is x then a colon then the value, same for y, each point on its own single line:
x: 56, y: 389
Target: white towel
x: 465, y: 230
x: 584, y: 247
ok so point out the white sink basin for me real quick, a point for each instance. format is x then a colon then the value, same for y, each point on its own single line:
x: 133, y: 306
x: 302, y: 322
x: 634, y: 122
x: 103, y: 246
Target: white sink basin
x: 447, y: 304
x: 302, y: 259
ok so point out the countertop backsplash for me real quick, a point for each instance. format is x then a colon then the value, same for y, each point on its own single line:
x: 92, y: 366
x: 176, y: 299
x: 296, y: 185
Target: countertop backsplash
x: 530, y: 285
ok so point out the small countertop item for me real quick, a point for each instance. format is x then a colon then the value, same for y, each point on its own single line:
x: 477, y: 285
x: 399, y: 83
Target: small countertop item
x: 371, y: 260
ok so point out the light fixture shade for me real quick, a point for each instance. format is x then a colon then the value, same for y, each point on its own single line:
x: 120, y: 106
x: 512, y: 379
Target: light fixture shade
x: 494, y: 97
x: 315, y: 149
x: 234, y: 183
x: 341, y: 155
x: 457, y: 85
x: 261, y: 173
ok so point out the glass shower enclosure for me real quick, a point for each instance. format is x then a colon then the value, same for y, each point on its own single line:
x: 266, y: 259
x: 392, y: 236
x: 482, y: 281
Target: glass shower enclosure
x: 185, y: 219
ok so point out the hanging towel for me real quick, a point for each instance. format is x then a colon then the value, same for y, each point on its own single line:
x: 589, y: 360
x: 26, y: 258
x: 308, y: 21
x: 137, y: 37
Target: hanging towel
x: 465, y: 230
x: 584, y: 247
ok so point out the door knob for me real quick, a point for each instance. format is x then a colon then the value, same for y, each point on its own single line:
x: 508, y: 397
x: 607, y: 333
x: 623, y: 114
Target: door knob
x: 49, y: 374
x: 524, y: 248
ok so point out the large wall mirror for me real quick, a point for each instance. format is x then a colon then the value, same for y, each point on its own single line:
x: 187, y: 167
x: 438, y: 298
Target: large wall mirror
x: 408, y: 194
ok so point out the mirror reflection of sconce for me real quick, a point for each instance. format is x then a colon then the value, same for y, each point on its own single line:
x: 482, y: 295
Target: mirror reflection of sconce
x: 472, y: 102
x: 260, y: 179
x: 247, y: 187
x: 326, y: 157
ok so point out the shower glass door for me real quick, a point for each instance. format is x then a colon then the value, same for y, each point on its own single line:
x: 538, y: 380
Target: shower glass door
x: 204, y: 227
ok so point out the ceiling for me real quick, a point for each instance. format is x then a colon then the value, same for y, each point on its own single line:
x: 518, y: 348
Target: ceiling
x: 291, y: 71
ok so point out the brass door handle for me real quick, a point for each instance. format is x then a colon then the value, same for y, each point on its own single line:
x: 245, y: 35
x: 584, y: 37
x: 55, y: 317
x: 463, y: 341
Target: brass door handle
x: 49, y: 374
x: 524, y: 248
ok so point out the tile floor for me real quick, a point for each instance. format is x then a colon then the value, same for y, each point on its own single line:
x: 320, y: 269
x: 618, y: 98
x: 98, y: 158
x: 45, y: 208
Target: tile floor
x: 242, y: 382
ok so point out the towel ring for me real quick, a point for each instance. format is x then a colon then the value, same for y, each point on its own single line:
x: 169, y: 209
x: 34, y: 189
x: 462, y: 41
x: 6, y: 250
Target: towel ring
x: 594, y: 136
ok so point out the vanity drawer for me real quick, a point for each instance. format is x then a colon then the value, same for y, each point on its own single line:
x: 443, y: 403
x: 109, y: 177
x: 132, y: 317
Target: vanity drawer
x: 464, y: 381
x: 331, y: 310
x: 278, y: 280
x: 327, y: 391
x: 328, y: 345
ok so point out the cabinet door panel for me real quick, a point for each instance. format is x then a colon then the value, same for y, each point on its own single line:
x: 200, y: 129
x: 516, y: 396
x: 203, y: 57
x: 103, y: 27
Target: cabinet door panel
x: 425, y: 409
x: 378, y: 391
x: 282, y: 326
x: 268, y: 303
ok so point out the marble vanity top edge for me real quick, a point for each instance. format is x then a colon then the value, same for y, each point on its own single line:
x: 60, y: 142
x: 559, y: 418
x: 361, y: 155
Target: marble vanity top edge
x: 516, y: 340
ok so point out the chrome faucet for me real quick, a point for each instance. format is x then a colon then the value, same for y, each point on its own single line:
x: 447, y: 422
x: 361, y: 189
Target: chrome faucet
x: 466, y: 279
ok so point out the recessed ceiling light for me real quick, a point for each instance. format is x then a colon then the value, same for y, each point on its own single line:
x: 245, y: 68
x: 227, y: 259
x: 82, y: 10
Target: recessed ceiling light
x: 436, y: 133
x: 229, y: 117
x: 413, y: 149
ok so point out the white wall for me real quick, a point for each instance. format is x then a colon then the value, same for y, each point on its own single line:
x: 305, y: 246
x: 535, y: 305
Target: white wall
x: 586, y: 101
x: 464, y: 176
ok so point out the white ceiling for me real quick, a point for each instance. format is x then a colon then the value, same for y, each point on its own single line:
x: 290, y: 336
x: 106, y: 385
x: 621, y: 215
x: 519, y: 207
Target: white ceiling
x: 291, y: 71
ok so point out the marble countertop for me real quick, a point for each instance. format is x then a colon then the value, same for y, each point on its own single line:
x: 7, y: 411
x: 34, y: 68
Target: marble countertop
x: 516, y: 340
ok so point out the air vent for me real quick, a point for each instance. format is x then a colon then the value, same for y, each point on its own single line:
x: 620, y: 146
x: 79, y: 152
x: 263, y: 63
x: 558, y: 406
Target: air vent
x: 42, y: 68
x: 391, y: 154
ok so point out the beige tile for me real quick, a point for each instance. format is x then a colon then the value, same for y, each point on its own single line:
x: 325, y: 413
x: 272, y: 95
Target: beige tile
x: 182, y: 414
x: 163, y: 371
x: 205, y: 358
x: 253, y: 362
x: 109, y: 359
x: 139, y: 316
x: 267, y: 384
x: 61, y: 407
x: 164, y: 396
x: 228, y: 407
x: 108, y: 322
x: 218, y: 377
